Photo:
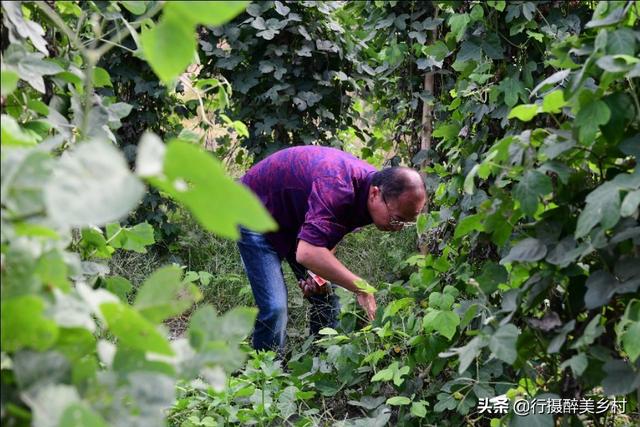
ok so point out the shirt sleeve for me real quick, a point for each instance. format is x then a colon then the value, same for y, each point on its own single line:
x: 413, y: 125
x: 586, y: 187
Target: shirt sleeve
x: 329, y: 204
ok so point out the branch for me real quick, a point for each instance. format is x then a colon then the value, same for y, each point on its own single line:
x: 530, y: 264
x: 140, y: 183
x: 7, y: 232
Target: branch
x: 57, y: 20
x: 115, y: 40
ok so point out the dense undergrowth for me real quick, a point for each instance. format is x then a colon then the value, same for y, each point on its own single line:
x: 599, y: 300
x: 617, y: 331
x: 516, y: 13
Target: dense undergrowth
x: 524, y: 116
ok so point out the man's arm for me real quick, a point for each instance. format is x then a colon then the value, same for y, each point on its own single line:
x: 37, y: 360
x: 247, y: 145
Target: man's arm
x: 324, y: 263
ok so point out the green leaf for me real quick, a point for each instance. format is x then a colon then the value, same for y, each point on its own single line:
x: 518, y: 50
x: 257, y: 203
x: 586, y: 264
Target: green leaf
x: 118, y: 286
x: 591, y: 115
x: 237, y: 323
x: 418, y: 409
x: 98, y: 172
x: 630, y: 203
x: 524, y: 112
x: 171, y: 34
x: 445, y: 322
x: 135, y: 7
x: 198, y: 181
x: 498, y: 5
x: 468, y: 224
x: 458, y: 23
x: 492, y: 275
x: 438, y: 50
x: 620, y: 379
x: 38, y: 106
x: 52, y: 270
x: 24, y: 324
x: 13, y: 134
x: 503, y: 343
x: 512, y: 89
x: 468, y: 352
x: 398, y: 401
x: 556, y: 343
x: 591, y: 332
x: 94, y: 244
x: 531, y: 187
x: 528, y: 250
x: 577, y: 363
x: 421, y: 224
x: 601, y: 285
x: 603, y: 207
x: 163, y: 295
x: 130, y: 238
x: 133, y: 330
x: 553, y: 102
x: 469, y: 183
x: 630, y: 341
x: 395, y: 306
x: 9, y: 82
x: 206, y: 12
x: 384, y: 374
x: 621, y: 42
x: 101, y: 77
x: 365, y: 287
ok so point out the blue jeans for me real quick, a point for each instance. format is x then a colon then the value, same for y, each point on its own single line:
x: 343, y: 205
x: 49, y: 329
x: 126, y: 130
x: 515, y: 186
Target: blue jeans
x: 263, y: 266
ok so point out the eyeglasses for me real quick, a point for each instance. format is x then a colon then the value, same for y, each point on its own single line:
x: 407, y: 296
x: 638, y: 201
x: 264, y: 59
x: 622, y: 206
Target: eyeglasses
x: 393, y: 221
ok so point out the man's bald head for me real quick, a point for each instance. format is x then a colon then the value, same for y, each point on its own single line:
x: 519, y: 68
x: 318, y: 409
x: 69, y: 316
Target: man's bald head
x: 395, y: 181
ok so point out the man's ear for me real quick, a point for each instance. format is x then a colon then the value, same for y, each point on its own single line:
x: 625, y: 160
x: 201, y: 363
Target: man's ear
x: 374, y: 191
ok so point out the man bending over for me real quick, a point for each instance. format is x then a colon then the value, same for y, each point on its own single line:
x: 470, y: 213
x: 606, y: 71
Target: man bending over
x: 317, y: 195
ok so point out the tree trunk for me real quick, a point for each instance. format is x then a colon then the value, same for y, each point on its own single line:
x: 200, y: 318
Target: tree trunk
x: 426, y: 129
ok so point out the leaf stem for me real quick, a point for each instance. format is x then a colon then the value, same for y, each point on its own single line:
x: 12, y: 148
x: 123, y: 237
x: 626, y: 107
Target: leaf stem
x: 634, y: 95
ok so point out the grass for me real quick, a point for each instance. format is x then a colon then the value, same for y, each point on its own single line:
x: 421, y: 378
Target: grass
x: 370, y: 253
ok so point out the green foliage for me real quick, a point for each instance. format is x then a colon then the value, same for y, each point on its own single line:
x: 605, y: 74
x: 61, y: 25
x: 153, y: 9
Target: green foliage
x: 74, y: 351
x: 290, y: 67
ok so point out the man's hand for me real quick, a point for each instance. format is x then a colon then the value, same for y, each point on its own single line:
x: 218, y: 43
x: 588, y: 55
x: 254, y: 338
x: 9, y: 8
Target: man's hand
x: 368, y: 303
x: 309, y: 287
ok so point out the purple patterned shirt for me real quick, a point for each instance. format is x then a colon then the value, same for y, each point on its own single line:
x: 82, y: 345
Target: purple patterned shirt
x: 316, y: 194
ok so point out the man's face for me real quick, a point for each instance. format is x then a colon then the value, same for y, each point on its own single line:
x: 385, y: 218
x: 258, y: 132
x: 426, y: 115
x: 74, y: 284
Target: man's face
x: 394, y: 214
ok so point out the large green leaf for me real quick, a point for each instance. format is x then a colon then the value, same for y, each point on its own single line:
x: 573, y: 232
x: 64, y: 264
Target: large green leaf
x: 237, y: 323
x: 13, y: 134
x: 169, y: 47
x: 620, y: 378
x: 630, y: 341
x: 163, y: 295
x: 24, y: 174
x: 133, y: 330
x: 592, y: 114
x: 531, y: 187
x: 529, y: 249
x: 445, y: 323
x: 492, y: 275
x: 24, y: 324
x: 91, y: 185
x: 512, y: 89
x: 398, y: 401
x: 9, y: 81
x: 205, y: 12
x: 468, y: 224
x: 503, y: 343
x: 197, y: 180
x: 130, y: 238
x: 621, y: 41
x: 458, y: 24
x: 603, y: 207
x: 524, y: 112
